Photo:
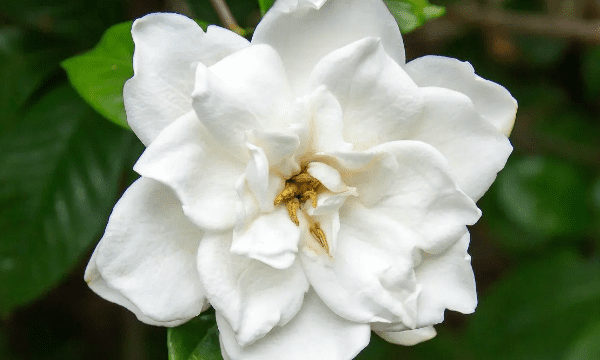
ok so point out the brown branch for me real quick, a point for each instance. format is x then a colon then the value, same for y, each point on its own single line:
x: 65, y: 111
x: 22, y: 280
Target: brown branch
x: 587, y: 31
x: 226, y: 16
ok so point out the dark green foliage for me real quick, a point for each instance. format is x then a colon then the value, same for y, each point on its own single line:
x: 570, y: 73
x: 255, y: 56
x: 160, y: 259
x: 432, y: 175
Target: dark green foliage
x: 59, y: 171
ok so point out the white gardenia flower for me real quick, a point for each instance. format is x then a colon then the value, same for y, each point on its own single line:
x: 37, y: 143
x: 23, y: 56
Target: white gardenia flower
x: 309, y: 185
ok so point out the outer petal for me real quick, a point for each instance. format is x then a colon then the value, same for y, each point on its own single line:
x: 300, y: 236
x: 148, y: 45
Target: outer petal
x: 167, y: 47
x: 378, y: 99
x: 447, y: 283
x: 252, y: 296
x: 408, y: 337
x: 185, y: 158
x: 314, y: 333
x: 146, y: 260
x: 491, y: 100
x: 98, y: 284
x: 475, y: 150
x: 333, y: 24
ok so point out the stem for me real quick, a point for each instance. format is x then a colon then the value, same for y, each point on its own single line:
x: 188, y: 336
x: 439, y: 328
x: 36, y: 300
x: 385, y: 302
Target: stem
x: 226, y: 17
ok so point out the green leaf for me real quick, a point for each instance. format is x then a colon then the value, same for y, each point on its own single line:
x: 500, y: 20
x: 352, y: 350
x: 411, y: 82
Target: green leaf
x: 59, y: 178
x: 27, y: 58
x: 410, y: 14
x: 539, y: 311
x: 546, y: 197
x: 99, y: 75
x: 265, y: 5
x: 198, y: 339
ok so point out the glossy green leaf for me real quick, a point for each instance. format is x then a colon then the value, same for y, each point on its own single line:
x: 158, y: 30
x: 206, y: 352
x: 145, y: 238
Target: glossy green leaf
x: 265, y: 5
x: 99, y: 75
x: 540, y: 311
x: 410, y: 14
x: 544, y: 196
x: 59, y: 178
x: 198, y: 339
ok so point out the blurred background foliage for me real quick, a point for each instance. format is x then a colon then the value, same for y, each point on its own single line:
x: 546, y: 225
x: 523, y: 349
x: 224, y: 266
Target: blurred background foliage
x: 535, y: 252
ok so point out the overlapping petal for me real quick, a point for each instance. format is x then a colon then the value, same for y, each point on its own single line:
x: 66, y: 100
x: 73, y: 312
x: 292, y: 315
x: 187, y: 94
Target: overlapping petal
x: 379, y: 101
x: 314, y: 333
x: 252, y: 296
x: 447, y: 283
x: 304, y: 31
x: 491, y: 100
x: 424, y: 196
x: 365, y: 280
x: 167, y: 49
x: 188, y: 160
x: 146, y: 260
x: 476, y: 151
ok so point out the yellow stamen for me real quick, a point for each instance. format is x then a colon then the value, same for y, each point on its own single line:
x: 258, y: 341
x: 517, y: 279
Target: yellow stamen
x: 299, y: 189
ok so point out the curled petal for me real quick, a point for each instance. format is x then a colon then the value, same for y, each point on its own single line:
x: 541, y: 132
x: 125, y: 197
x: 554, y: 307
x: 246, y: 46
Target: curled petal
x: 271, y: 238
x: 379, y: 101
x: 408, y: 337
x: 167, y: 49
x: 492, y: 101
x: 314, y: 333
x: 333, y: 24
x: 364, y: 279
x: 256, y: 77
x: 447, y: 283
x: 476, y: 151
x: 252, y: 296
x: 188, y: 160
x: 146, y: 260
x: 424, y: 196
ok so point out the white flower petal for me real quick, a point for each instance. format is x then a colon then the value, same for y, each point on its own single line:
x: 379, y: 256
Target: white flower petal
x: 491, y: 100
x: 256, y: 77
x: 315, y: 333
x: 424, y: 197
x: 186, y: 158
x: 304, y: 31
x: 366, y: 279
x: 224, y: 115
x: 97, y: 283
x: 167, y: 48
x: 447, y: 283
x: 475, y: 150
x: 272, y: 238
x: 146, y: 259
x: 378, y: 99
x: 327, y: 122
x: 327, y: 175
x: 251, y: 295
x: 408, y: 337
x: 370, y: 173
x: 257, y: 177
x: 278, y: 147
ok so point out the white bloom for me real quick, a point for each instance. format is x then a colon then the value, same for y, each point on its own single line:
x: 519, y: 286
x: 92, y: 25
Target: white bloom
x: 309, y: 185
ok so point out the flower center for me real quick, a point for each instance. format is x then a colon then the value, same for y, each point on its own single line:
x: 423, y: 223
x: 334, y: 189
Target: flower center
x: 299, y: 189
